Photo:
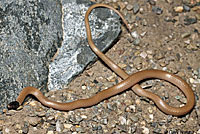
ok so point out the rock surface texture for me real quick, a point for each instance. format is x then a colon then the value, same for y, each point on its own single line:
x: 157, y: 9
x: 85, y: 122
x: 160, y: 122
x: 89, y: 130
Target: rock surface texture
x: 29, y: 34
x: 45, y: 42
x: 75, y: 53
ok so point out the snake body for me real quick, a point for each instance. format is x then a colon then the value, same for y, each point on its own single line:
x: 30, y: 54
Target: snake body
x: 130, y: 81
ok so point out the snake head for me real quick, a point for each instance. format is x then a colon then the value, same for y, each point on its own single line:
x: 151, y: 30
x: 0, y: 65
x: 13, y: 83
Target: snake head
x: 13, y: 105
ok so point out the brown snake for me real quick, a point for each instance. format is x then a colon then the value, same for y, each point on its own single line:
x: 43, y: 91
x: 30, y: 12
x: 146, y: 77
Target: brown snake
x: 130, y: 81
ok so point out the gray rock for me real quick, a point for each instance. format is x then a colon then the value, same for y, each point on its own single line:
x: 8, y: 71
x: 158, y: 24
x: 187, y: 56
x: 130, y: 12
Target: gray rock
x: 136, y: 8
x: 45, y: 41
x: 157, y: 10
x: 186, y: 8
x: 190, y: 20
x: 30, y: 31
x: 75, y: 53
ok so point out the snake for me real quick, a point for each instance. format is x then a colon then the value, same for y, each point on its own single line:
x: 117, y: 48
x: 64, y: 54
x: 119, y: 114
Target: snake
x: 128, y: 82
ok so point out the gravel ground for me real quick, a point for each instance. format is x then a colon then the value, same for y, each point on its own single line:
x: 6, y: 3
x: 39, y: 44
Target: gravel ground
x: 167, y: 37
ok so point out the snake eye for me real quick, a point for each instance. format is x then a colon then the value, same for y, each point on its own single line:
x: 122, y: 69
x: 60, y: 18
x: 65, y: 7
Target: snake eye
x: 13, y: 105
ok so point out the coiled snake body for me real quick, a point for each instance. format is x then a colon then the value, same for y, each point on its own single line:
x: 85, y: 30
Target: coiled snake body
x: 130, y: 81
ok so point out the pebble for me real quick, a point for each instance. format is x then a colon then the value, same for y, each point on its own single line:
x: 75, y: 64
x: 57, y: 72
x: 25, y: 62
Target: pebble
x: 136, y: 41
x: 169, y: 1
x: 157, y: 10
x: 185, y: 35
x: 198, y: 70
x: 122, y: 120
x: 150, y: 110
x: 157, y: 131
x: 67, y: 126
x: 129, y: 7
x: 145, y: 130
x: 192, y: 47
x: 143, y: 55
x: 134, y: 118
x: 59, y: 126
x: 33, y: 120
x: 121, y: 65
x: 50, y: 132
x: 84, y: 87
x: 136, y: 8
x: 178, y: 9
x: 186, y: 8
x: 190, y: 20
x: 159, y: 56
x: 25, y: 129
x: 151, y: 117
x: 152, y: 2
x: 138, y: 101
x: 187, y: 42
x: 104, y: 121
x: 122, y: 5
x: 7, y: 130
x: 134, y: 34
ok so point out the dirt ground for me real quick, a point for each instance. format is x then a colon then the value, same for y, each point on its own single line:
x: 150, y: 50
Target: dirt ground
x: 166, y: 38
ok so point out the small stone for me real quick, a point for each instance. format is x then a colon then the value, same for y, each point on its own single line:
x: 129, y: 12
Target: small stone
x: 17, y: 126
x: 190, y: 20
x: 159, y: 56
x: 157, y: 130
x: 7, y: 130
x: 84, y: 87
x: 162, y: 64
x: 151, y: 117
x: 192, y: 47
x: 187, y: 42
x: 191, y: 80
x: 122, y: 5
x: 198, y: 72
x: 186, y: 8
x: 68, y: 126
x: 33, y: 120
x: 178, y: 9
x: 50, y: 132
x: 143, y: 55
x: 143, y: 123
x: 134, y: 118
x: 152, y: 2
x: 33, y: 103
x: 144, y: 33
x: 138, y: 101
x: 132, y: 108
x: 20, y: 132
x: 157, y: 10
x: 129, y: 7
x: 134, y: 34
x: 185, y: 35
x: 122, y: 65
x: 177, y: 97
x: 104, y: 121
x: 136, y: 41
x: 198, y: 132
x: 149, y: 51
x: 25, y: 129
x: 145, y: 130
x: 122, y: 120
x: 150, y: 110
x: 59, y: 126
x: 50, y: 118
x: 136, y: 8
x: 2, y: 122
x: 169, y: 1
x: 84, y: 116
